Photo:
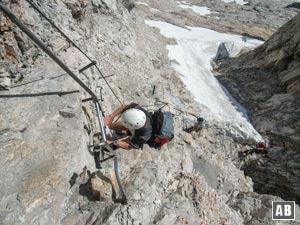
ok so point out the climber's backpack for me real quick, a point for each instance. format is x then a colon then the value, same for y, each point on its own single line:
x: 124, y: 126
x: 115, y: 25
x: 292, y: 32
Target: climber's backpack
x: 162, y: 129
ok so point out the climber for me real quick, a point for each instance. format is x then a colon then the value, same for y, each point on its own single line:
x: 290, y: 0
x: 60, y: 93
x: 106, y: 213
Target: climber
x: 260, y: 148
x: 140, y: 127
x: 135, y: 124
x: 198, y: 125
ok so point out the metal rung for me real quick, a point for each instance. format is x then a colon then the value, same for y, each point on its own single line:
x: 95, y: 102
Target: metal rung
x: 87, y: 99
x: 97, y: 160
x: 98, y: 145
x: 87, y: 66
x: 103, y: 160
x: 106, y: 76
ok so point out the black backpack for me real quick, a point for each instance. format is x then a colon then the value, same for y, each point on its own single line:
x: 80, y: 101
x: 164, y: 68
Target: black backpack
x: 161, y: 132
x: 162, y: 129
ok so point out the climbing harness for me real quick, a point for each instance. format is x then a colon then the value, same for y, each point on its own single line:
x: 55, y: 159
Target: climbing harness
x: 102, y: 146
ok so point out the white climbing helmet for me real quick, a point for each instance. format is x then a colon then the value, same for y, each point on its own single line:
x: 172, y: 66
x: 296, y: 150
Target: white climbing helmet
x: 133, y: 118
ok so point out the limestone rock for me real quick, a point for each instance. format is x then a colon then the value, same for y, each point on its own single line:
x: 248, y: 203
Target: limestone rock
x: 261, y: 80
x: 44, y: 143
x: 67, y: 112
x: 256, y: 209
x: 5, y: 81
x: 106, y: 6
x: 128, y: 4
x: 100, y: 190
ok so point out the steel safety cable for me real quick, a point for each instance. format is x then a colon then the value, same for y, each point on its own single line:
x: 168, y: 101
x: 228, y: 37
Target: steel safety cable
x: 76, y: 46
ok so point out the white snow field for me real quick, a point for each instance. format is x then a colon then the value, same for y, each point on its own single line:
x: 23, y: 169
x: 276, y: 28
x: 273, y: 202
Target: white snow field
x: 202, y: 11
x: 191, y: 57
x: 240, y: 2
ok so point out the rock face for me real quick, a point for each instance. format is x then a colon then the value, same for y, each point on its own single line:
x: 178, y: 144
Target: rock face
x: 267, y: 81
x: 48, y: 174
x: 258, y: 19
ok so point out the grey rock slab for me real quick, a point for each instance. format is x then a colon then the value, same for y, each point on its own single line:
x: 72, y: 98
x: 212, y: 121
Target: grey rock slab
x: 273, y: 107
x: 43, y: 153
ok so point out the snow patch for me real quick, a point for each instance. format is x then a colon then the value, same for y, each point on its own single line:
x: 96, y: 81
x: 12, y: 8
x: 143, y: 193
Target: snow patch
x: 154, y: 9
x: 142, y: 3
x: 191, y: 57
x: 145, y: 4
x: 202, y: 11
x: 240, y: 2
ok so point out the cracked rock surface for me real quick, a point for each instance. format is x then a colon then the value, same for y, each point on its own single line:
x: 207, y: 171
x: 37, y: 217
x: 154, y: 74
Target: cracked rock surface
x: 48, y: 174
x: 267, y: 81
